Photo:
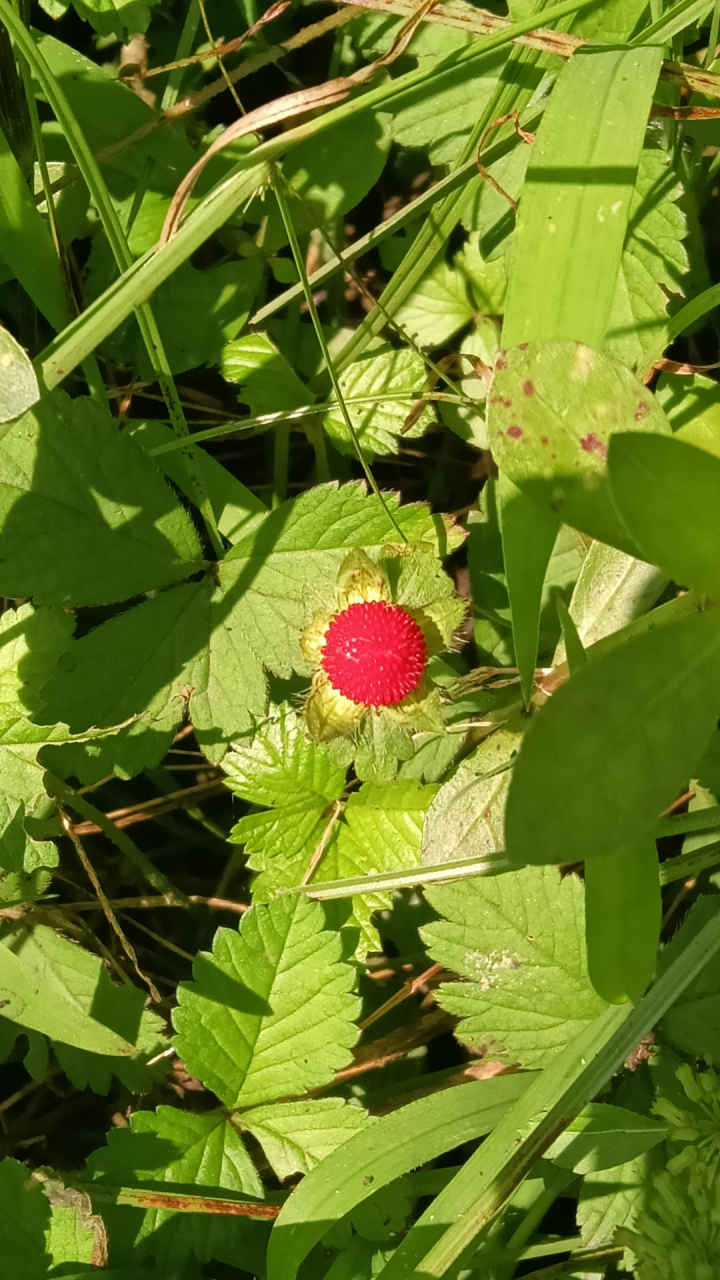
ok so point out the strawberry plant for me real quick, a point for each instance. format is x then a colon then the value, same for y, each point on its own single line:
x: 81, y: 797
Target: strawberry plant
x: 359, y: 640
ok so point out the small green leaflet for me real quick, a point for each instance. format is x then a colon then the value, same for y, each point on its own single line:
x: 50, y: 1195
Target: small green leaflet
x: 392, y: 380
x: 604, y: 1136
x: 466, y: 818
x: 85, y: 516
x: 610, y: 1199
x: 268, y: 381
x: 270, y: 1013
x: 298, y: 782
x: 296, y: 1136
x: 519, y: 942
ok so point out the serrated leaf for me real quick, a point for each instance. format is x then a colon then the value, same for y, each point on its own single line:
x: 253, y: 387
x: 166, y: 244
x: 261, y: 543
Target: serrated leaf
x: 31, y: 642
x: 269, y: 1013
x: 50, y: 985
x: 466, y: 818
x: 610, y: 1199
x: 282, y: 768
x: 381, y: 831
x: 85, y: 517
x: 552, y: 409
x: 18, y: 381
x: 298, y: 1135
x: 397, y: 378
x: 75, y: 1234
x: 183, y: 645
x: 519, y: 941
x: 23, y: 860
x: 434, y: 114
x: 286, y: 571
x: 268, y: 382
x: 171, y: 1148
x: 653, y: 263
x: 438, y: 308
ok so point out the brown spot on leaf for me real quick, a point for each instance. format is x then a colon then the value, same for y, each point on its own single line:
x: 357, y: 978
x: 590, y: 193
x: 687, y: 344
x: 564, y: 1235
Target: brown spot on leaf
x: 591, y: 444
x: 643, y: 410
x: 523, y: 346
x: 501, y: 362
x: 544, y: 440
x: 528, y: 388
x: 515, y: 432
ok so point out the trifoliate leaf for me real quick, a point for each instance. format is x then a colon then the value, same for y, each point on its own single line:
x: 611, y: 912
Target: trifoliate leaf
x: 85, y: 516
x: 268, y: 382
x: 298, y: 1135
x: 282, y: 768
x: 270, y: 1012
x: 379, y: 391
x: 466, y: 818
x: 285, y: 572
x: 381, y: 831
x: 177, y: 1149
x: 519, y: 941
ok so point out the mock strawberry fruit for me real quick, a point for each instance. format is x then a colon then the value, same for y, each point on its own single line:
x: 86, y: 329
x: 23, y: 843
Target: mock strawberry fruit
x: 374, y: 653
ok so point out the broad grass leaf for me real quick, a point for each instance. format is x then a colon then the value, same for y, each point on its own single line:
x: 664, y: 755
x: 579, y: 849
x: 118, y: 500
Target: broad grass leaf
x: 173, y: 1149
x: 85, y: 516
x: 297, y: 782
x: 609, y: 751
x: 19, y: 388
x: 466, y: 817
x: 576, y: 199
x: 667, y: 493
x: 529, y: 533
x: 552, y: 409
x: 296, y: 1136
x: 397, y: 378
x: 50, y: 985
x: 270, y: 1013
x: 386, y: 1149
x: 604, y: 1136
x: 518, y: 941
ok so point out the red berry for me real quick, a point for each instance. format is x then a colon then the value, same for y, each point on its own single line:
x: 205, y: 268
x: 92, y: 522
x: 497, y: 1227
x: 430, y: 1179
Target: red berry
x: 374, y: 653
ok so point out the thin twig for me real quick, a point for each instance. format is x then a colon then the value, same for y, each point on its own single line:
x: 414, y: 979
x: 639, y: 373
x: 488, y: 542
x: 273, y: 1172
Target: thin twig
x: 162, y: 900
x: 107, y: 909
x: 337, y: 810
x: 408, y: 989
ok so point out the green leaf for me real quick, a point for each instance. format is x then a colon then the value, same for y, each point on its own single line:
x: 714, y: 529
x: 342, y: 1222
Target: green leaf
x: 332, y: 172
x: 667, y: 493
x: 613, y: 745
x: 297, y: 779
x: 184, y: 639
x: 434, y: 114
x: 610, y: 1199
x: 466, y: 818
x: 268, y: 381
x: 50, y: 985
x: 381, y: 831
x: 30, y: 253
x: 287, y: 569
x: 612, y: 589
x: 236, y: 508
x: 552, y: 409
x: 178, y: 1149
x: 270, y: 1012
x: 23, y: 860
x: 24, y: 1221
x: 437, y: 308
x: 576, y: 199
x: 653, y: 263
x: 75, y: 1235
x: 387, y: 1148
x: 296, y: 1136
x: 623, y: 912
x: 692, y: 406
x: 85, y: 516
x: 222, y: 297
x: 529, y: 533
x: 692, y: 1025
x: 395, y: 378
x: 518, y: 941
x: 18, y: 382
x: 604, y: 1136
x: 487, y: 279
